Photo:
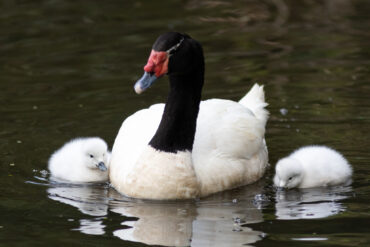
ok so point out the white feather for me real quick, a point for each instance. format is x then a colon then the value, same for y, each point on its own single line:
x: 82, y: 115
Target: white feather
x: 254, y: 100
x: 312, y: 166
x: 73, y: 163
x: 228, y: 151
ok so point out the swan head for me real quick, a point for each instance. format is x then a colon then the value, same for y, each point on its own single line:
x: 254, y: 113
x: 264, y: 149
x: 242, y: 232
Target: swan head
x: 174, y: 54
x: 289, y: 173
x: 96, y: 154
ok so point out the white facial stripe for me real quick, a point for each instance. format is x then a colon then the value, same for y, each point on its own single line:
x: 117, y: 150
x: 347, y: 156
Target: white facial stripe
x: 175, y: 47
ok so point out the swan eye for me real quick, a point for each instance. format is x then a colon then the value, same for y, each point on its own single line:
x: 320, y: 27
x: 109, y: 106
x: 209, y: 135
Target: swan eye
x: 91, y: 156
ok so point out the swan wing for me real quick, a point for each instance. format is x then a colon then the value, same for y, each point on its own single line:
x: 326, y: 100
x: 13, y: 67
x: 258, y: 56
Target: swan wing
x: 229, y: 147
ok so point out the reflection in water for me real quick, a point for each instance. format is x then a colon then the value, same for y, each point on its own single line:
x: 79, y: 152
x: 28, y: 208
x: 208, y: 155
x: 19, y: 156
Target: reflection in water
x: 92, y: 227
x: 158, y: 224
x: 310, y: 203
x: 220, y: 220
x: 216, y: 226
x: 217, y: 220
x: 214, y: 221
x: 91, y: 200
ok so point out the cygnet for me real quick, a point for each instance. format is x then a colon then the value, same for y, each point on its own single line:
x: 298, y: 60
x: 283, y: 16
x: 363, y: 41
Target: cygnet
x: 81, y: 160
x: 312, y: 166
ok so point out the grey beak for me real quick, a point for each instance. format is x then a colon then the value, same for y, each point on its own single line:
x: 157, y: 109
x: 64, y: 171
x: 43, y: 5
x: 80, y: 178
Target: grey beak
x: 144, y: 82
x: 102, y: 166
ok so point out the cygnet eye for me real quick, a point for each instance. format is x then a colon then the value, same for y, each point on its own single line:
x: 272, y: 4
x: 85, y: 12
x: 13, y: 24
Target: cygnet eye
x: 290, y: 178
x: 91, y: 156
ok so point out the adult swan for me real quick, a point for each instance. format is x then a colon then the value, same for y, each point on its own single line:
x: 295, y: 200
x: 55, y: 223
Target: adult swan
x: 169, y: 152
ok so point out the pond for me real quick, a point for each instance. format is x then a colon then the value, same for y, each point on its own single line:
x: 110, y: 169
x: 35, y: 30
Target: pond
x: 67, y: 69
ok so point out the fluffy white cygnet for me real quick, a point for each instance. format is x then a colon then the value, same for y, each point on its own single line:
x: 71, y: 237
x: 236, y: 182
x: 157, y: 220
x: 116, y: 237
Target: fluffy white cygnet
x: 312, y: 166
x: 81, y: 160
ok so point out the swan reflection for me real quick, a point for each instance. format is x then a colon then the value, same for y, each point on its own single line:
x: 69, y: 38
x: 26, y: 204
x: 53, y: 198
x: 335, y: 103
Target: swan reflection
x: 214, y: 221
x: 310, y: 203
x: 168, y: 224
x: 218, y: 220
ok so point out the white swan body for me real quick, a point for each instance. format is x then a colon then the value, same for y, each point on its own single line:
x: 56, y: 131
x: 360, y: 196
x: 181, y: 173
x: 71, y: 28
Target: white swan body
x: 229, y: 150
x: 312, y: 166
x: 81, y: 160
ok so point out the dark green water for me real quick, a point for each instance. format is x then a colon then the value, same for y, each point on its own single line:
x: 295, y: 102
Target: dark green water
x: 67, y: 69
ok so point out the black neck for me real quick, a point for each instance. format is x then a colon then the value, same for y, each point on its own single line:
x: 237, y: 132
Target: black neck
x: 177, y: 128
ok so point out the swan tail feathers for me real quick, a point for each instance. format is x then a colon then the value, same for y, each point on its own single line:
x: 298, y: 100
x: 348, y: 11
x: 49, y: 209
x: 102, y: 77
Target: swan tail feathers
x: 254, y: 100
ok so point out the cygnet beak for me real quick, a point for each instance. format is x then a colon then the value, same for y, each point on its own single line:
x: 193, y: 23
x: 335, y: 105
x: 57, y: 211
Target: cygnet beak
x: 282, y: 184
x: 102, y: 166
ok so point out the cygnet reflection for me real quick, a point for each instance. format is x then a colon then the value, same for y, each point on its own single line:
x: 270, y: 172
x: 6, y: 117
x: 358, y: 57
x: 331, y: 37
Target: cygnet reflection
x: 217, y: 220
x: 91, y: 227
x: 89, y: 199
x: 310, y: 203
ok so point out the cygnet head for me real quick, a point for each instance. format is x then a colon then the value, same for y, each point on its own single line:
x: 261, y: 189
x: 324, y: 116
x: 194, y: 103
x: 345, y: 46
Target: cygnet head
x: 95, y: 154
x: 289, y: 173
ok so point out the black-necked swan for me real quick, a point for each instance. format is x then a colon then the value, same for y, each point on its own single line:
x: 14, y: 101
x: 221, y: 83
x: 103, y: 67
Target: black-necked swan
x: 169, y: 151
x: 312, y: 166
x: 81, y: 160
